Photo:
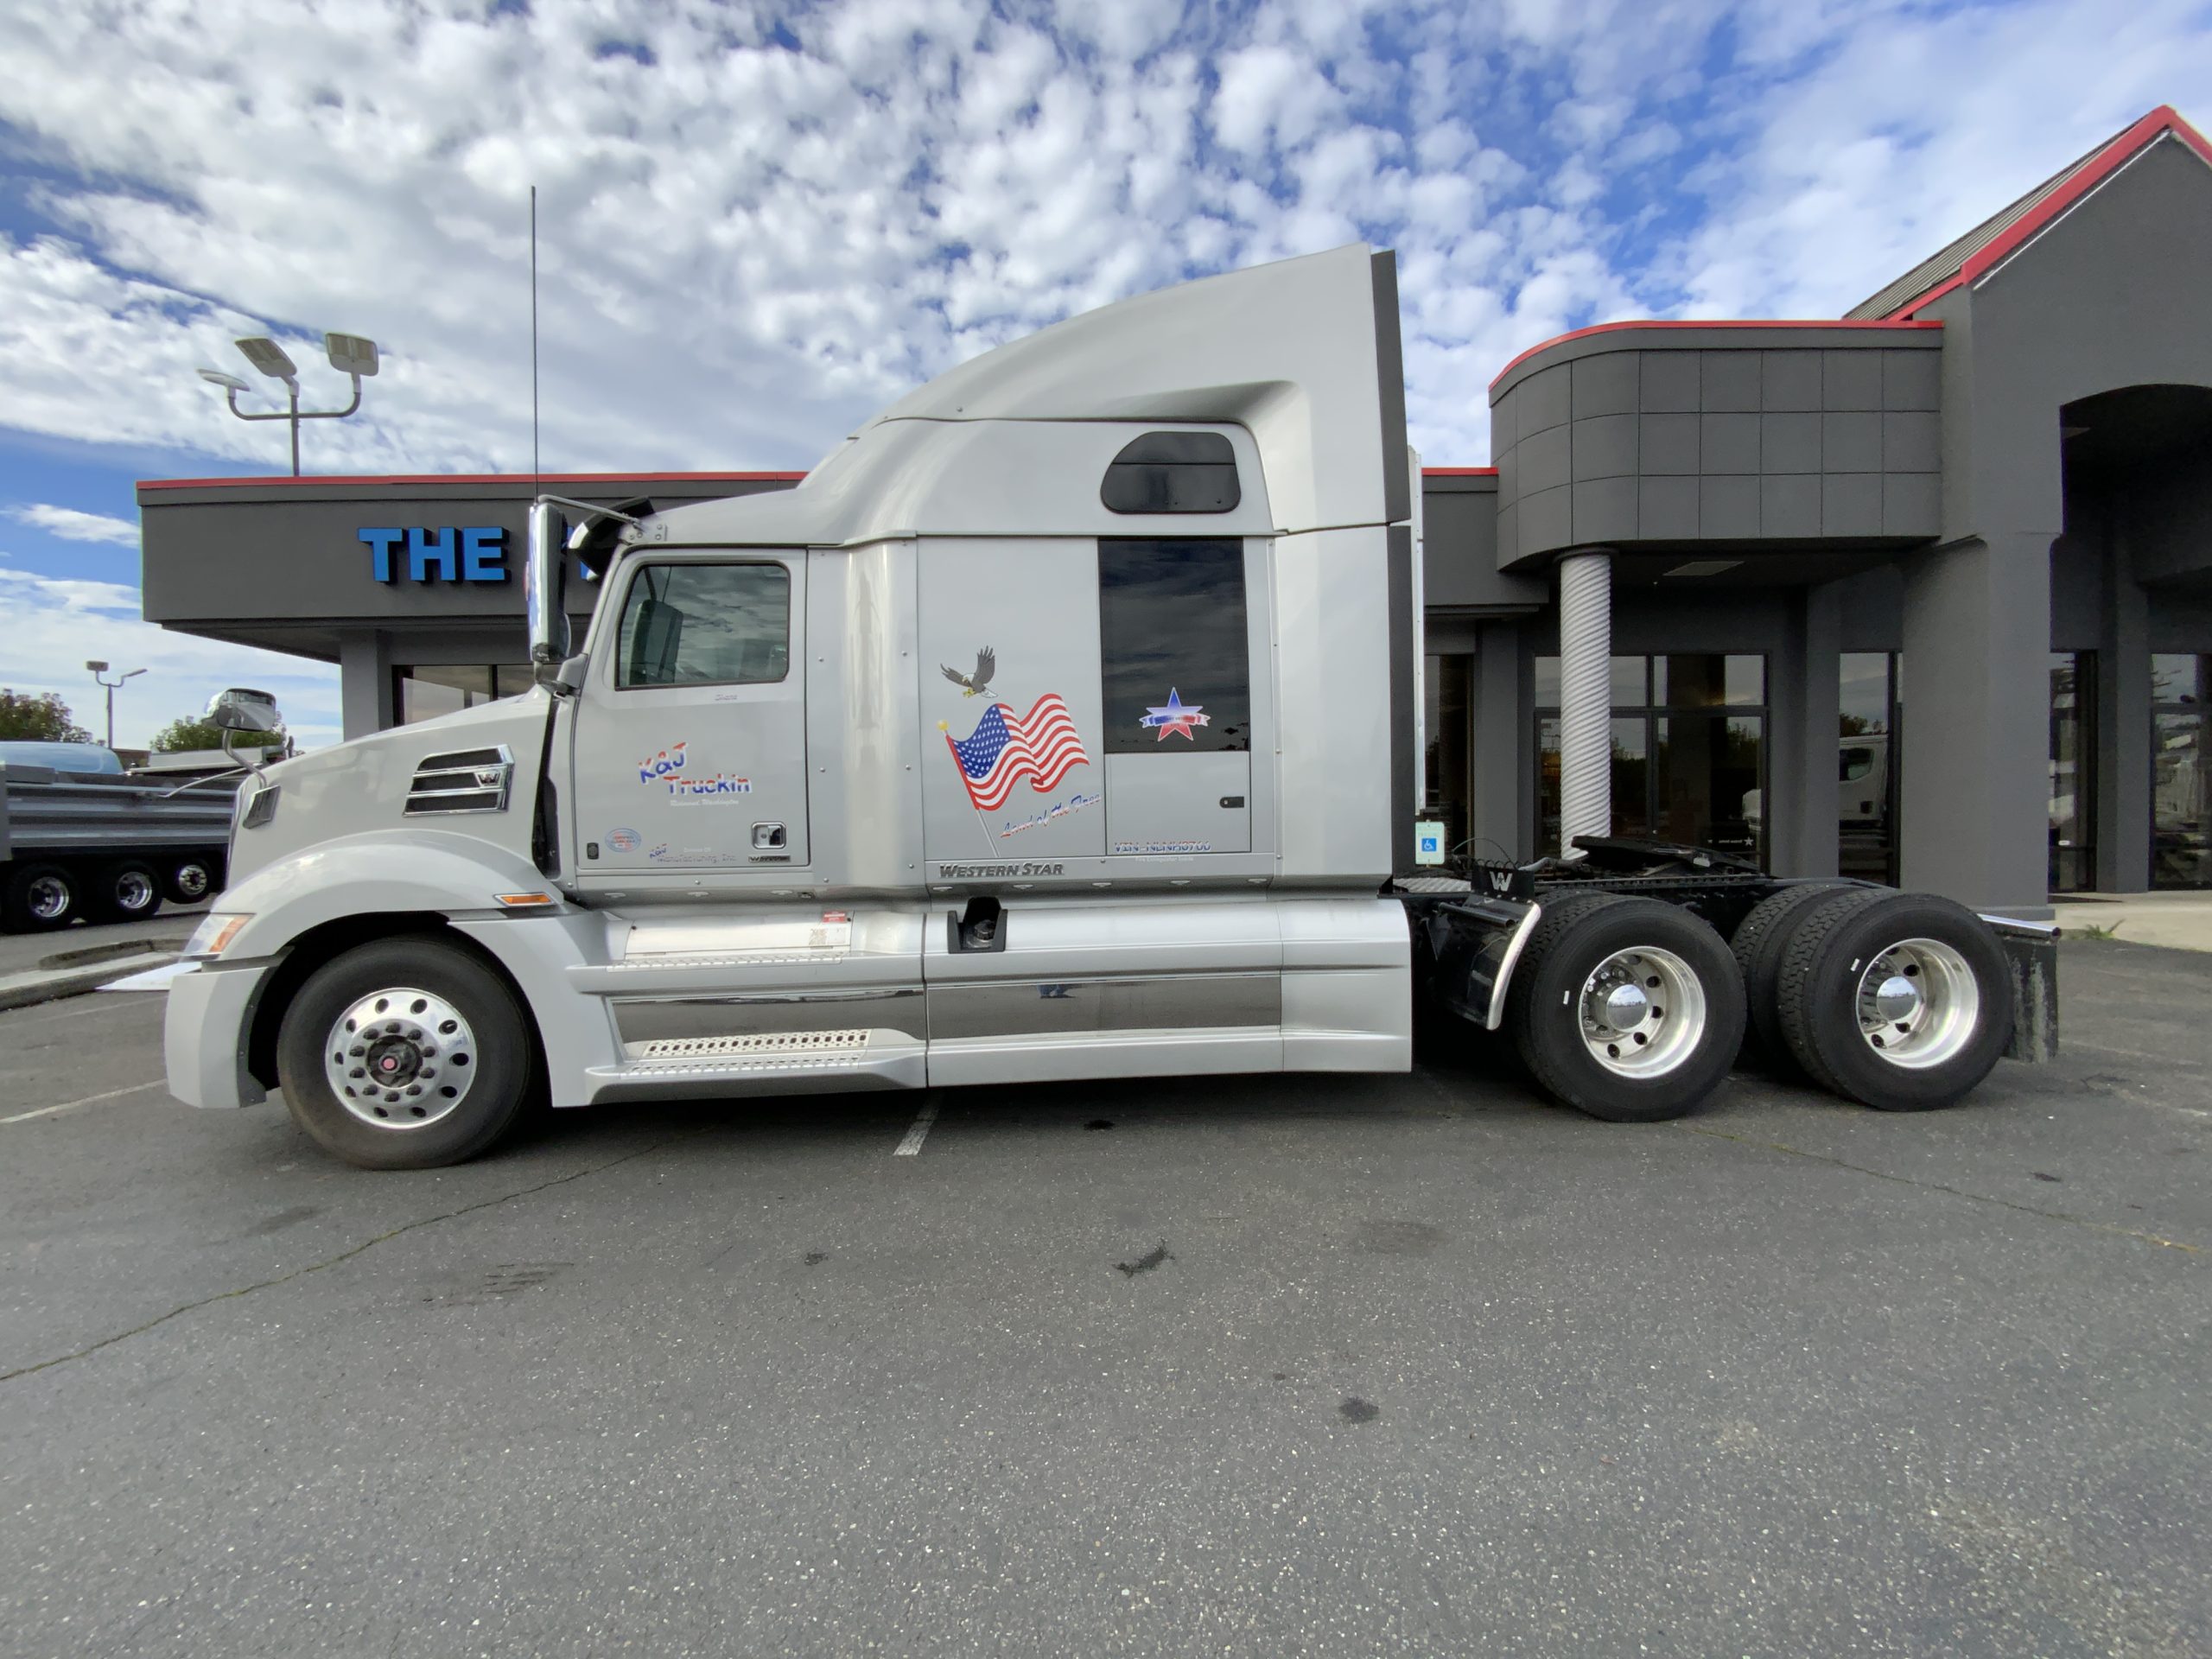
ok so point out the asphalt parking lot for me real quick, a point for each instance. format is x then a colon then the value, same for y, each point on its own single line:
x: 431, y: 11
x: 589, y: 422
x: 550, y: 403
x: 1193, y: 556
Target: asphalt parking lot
x: 1414, y: 1365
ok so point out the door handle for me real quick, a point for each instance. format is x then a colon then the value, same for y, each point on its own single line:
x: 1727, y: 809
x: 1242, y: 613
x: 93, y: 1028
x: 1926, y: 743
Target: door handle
x: 768, y: 838
x: 1232, y: 800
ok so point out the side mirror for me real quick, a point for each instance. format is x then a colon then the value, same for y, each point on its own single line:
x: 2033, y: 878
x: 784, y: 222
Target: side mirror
x: 543, y: 578
x: 243, y: 710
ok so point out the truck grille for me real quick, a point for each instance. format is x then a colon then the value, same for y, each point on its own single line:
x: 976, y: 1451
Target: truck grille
x: 468, y: 780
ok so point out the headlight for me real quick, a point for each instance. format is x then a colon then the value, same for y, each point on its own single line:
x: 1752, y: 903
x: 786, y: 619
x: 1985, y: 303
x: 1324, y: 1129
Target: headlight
x: 213, y: 934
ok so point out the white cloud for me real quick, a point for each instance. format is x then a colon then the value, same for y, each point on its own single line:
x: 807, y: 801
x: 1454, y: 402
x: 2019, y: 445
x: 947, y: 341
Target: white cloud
x: 749, y: 245
x: 72, y: 526
x: 54, y: 626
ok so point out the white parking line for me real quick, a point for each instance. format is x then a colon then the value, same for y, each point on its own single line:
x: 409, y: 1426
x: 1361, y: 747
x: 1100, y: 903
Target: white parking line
x: 919, y: 1133
x: 89, y: 1100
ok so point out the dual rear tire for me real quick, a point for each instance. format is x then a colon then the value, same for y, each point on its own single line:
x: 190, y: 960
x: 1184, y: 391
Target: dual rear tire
x: 1634, y: 1011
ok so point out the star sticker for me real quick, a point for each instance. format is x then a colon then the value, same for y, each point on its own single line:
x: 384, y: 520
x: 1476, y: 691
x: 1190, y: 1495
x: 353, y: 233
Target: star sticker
x: 1175, y: 716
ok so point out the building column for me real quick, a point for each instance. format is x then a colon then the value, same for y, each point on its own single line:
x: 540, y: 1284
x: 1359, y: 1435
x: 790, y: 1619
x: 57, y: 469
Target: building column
x: 365, y: 682
x: 1802, y: 708
x: 2122, y: 737
x: 1586, y: 698
x: 1499, y: 721
x: 1974, y: 796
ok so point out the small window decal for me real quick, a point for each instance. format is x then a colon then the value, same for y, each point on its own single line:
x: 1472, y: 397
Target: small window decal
x: 1173, y: 472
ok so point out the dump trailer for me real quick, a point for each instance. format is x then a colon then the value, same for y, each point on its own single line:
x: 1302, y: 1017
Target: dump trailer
x: 103, y: 844
x: 1061, y: 724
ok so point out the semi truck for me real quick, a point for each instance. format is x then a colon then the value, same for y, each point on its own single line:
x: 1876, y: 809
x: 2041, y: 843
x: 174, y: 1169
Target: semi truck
x: 82, y: 837
x: 1062, y: 723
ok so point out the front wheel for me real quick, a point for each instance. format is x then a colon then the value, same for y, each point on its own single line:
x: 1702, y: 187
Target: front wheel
x: 1628, y: 1009
x: 407, y: 1053
x: 189, y: 880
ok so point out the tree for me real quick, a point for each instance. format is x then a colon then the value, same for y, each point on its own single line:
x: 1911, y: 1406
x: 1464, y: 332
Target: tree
x: 195, y: 733
x: 43, y: 716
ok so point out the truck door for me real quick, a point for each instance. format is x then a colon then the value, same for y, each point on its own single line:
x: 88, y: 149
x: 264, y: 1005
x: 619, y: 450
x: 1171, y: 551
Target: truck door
x: 1177, y: 676
x: 691, y: 732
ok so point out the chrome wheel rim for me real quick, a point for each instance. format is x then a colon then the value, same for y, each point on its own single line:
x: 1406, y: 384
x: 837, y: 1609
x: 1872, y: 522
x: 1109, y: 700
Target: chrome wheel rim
x: 134, y: 890
x: 1642, y: 1012
x: 1918, y: 1003
x: 48, y: 898
x: 400, y: 1059
x: 192, y: 880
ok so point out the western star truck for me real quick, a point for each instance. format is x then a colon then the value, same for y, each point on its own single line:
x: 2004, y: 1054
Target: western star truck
x: 1060, y: 724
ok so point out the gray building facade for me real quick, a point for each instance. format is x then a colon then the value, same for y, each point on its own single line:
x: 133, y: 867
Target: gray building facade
x: 1923, y: 594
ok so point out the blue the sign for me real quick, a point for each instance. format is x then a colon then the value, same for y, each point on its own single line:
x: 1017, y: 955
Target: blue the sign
x: 475, y: 553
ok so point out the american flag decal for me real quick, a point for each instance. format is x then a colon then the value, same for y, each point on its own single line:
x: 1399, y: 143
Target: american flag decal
x: 1002, y: 750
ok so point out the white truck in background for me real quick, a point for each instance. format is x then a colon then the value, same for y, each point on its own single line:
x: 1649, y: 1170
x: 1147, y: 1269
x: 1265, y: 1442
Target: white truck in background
x: 1059, y: 725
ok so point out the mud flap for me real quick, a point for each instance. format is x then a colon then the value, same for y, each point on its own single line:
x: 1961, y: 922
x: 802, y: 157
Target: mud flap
x: 2032, y: 948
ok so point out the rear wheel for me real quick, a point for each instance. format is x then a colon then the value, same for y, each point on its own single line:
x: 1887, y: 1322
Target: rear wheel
x: 125, y: 891
x: 1901, y: 1000
x: 1758, y: 944
x: 407, y: 1053
x: 40, y: 898
x: 1628, y: 1009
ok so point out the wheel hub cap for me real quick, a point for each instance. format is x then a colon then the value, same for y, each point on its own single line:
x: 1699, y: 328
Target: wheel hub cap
x: 1898, y: 998
x: 1642, y: 1012
x: 1626, y: 1008
x: 1918, y: 1003
x: 400, y: 1058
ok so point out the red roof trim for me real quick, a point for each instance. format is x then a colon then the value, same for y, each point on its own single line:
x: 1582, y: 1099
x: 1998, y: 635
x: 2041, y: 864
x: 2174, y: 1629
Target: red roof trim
x: 1708, y: 323
x: 1459, y: 471
x: 472, y: 477
x: 2115, y: 155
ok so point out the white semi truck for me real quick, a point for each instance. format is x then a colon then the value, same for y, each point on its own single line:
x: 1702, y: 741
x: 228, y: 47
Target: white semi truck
x: 1059, y: 725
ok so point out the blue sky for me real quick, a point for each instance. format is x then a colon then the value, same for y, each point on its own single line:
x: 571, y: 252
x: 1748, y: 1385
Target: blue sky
x: 761, y: 223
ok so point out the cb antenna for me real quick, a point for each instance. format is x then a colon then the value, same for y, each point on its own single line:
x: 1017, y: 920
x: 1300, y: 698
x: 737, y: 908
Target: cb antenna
x: 536, y: 478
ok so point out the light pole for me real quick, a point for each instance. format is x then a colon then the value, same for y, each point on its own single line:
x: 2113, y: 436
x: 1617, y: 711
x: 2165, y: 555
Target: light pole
x: 350, y: 355
x: 100, y: 669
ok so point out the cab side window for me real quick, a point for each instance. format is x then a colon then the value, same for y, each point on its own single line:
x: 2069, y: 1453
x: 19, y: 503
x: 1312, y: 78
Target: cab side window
x: 705, y: 625
x: 1171, y: 630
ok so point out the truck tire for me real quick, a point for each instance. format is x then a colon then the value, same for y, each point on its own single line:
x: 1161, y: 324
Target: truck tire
x: 450, y: 1049
x: 1900, y: 1001
x: 41, y: 898
x: 125, y: 891
x: 1628, y: 1009
x: 189, y: 880
x: 1758, y: 944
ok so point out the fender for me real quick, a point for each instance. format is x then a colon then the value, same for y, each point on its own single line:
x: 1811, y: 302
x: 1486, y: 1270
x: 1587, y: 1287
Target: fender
x: 386, y: 872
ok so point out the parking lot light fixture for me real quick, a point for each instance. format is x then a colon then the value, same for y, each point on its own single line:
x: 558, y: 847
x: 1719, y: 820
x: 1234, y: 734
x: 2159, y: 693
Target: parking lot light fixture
x: 99, y: 670
x: 352, y: 355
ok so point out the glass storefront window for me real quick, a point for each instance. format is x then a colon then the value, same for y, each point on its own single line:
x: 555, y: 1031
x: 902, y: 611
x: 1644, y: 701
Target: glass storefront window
x: 1690, y: 751
x: 1866, y: 845
x: 424, y: 692
x: 2181, y: 802
x: 2073, y: 780
x: 1447, y: 727
x: 1708, y: 681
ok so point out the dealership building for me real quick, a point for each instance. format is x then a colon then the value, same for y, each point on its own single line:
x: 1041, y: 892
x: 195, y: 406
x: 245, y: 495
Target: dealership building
x: 1923, y: 593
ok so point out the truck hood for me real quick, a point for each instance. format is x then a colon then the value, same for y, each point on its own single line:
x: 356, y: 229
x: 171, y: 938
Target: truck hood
x: 366, y: 784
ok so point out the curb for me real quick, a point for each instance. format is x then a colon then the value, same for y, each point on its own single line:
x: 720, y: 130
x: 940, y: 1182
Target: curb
x: 28, y: 990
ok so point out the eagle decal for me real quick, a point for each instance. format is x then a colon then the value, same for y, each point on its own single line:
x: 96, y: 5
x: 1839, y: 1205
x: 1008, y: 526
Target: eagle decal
x: 977, y: 685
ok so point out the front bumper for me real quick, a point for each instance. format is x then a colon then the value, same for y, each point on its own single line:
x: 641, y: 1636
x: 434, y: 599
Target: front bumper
x: 204, y: 1038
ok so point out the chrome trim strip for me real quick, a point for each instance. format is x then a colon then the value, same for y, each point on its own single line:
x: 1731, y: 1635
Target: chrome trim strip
x: 429, y: 782
x: 1498, y: 986
x: 2013, y: 924
x: 1119, y: 1003
x: 678, y: 1019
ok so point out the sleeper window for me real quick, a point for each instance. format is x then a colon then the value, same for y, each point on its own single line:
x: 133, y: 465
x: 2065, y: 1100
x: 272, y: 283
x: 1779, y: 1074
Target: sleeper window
x: 705, y: 625
x: 1171, y: 630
